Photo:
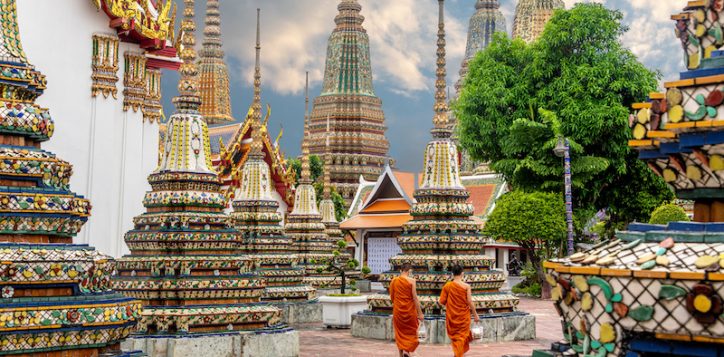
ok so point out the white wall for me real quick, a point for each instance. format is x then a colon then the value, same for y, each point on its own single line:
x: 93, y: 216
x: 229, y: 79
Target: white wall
x: 112, y: 151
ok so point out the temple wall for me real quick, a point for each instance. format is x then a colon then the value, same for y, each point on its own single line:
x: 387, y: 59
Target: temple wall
x: 112, y: 151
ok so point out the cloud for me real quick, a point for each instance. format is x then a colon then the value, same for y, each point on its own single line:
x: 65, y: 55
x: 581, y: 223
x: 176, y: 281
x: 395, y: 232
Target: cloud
x: 294, y: 40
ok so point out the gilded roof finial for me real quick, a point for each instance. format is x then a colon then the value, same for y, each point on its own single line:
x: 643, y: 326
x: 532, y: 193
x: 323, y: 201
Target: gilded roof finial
x: 306, y: 175
x: 256, y: 132
x: 188, y: 100
x: 440, y: 120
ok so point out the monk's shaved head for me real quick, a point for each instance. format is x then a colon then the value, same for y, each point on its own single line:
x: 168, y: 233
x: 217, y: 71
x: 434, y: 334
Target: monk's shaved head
x: 405, y: 268
x: 457, y: 270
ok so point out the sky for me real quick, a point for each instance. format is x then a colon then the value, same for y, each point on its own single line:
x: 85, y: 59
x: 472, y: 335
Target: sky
x: 402, y: 35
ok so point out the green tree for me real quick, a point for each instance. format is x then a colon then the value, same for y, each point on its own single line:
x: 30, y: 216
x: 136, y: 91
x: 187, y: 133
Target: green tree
x: 585, y: 81
x: 316, y: 167
x: 668, y: 213
x: 536, y: 221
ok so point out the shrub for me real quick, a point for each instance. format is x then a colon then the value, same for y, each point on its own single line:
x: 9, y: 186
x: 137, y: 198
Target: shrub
x: 668, y: 213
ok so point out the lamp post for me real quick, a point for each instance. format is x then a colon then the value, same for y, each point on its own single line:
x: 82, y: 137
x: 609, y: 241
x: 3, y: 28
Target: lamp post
x: 563, y: 149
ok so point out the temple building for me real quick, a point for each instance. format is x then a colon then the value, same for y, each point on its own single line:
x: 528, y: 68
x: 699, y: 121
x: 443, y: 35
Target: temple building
x: 358, y: 144
x: 110, y: 66
x: 256, y: 215
x: 213, y: 73
x: 56, y: 296
x: 487, y: 20
x: 442, y: 233
x: 230, y: 140
x: 531, y: 17
x: 657, y: 290
x: 380, y: 209
x: 187, y: 263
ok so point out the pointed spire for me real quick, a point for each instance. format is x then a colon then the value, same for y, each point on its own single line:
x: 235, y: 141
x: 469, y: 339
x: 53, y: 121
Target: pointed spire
x: 327, y: 189
x: 188, y: 100
x: 349, y: 17
x: 306, y: 175
x: 212, y: 32
x: 256, y: 145
x: 440, y: 120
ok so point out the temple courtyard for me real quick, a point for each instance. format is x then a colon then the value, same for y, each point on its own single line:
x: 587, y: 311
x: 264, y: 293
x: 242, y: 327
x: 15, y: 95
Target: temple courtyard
x: 317, y: 341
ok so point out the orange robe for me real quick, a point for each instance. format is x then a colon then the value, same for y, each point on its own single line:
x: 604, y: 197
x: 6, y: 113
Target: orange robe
x: 404, y: 314
x: 457, y: 317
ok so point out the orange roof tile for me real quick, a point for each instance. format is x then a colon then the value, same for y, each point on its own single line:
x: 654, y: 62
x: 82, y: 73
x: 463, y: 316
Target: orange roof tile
x: 480, y: 197
x: 387, y: 206
x: 407, y: 181
x: 376, y: 221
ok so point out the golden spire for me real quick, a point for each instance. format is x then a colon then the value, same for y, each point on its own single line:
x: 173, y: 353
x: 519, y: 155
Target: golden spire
x: 440, y: 120
x: 256, y: 132
x: 188, y: 99
x: 306, y: 176
x: 327, y: 189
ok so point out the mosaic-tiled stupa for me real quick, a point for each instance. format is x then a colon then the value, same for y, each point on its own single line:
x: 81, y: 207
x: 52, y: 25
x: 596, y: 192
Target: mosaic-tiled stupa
x: 358, y: 143
x: 186, y: 261
x: 256, y: 216
x: 657, y: 290
x: 56, y: 296
x: 442, y: 232
x: 531, y: 17
x: 213, y: 72
x: 305, y: 226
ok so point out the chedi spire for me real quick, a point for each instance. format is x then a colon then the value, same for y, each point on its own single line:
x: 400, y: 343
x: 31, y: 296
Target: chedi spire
x: 214, y: 74
x: 357, y: 143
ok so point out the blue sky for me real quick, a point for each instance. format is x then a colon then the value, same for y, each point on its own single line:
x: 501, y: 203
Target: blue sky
x: 402, y: 35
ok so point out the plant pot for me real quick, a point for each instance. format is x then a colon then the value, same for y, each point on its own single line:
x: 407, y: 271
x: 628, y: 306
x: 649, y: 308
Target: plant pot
x: 364, y: 285
x: 337, y: 311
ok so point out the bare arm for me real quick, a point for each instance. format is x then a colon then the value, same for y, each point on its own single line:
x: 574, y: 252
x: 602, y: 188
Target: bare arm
x: 472, y: 305
x: 417, y: 301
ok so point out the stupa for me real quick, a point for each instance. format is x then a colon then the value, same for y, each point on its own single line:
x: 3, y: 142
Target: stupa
x: 657, y: 290
x: 186, y: 261
x: 531, y: 17
x: 442, y: 234
x: 358, y: 144
x: 214, y: 75
x: 487, y: 20
x: 56, y: 297
x: 305, y: 225
x: 256, y: 216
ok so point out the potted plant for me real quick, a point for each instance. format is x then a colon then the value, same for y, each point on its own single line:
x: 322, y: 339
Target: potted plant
x: 337, y: 309
x: 364, y: 285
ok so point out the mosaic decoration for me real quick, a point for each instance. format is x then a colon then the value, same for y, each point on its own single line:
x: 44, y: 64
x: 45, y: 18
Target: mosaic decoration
x: 214, y: 75
x: 442, y: 232
x: 358, y: 144
x: 531, y: 17
x: 152, y: 108
x: 105, y: 65
x: 56, y: 296
x: 186, y: 263
x: 134, y: 81
x: 654, y: 289
x: 256, y: 216
x: 305, y: 225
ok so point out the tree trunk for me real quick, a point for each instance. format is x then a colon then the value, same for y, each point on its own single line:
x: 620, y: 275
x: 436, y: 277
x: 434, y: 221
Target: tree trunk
x: 545, y: 292
x: 344, y: 282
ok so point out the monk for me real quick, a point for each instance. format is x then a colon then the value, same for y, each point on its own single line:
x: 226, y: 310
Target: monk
x: 406, y: 311
x: 457, y: 297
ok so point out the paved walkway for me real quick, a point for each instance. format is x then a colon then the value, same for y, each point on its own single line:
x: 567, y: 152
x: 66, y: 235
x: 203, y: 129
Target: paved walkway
x: 318, y: 342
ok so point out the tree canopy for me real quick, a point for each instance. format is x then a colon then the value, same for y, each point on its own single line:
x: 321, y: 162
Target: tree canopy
x: 316, y: 167
x: 577, y: 81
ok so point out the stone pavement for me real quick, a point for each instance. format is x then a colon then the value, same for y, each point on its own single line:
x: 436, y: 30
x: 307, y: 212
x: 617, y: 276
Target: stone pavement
x: 319, y: 342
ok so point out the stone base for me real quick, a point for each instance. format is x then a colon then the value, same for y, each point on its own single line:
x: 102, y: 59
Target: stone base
x: 282, y: 343
x: 514, y: 326
x: 304, y: 312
